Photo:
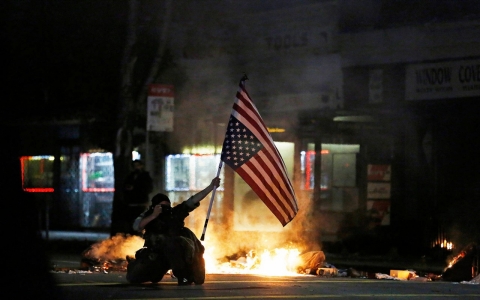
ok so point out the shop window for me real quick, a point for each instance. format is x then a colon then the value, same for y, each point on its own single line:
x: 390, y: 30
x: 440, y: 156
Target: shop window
x: 339, y: 191
x: 186, y: 172
x: 37, y: 173
x: 307, y: 167
x: 97, y: 172
x: 344, y: 169
x: 97, y: 187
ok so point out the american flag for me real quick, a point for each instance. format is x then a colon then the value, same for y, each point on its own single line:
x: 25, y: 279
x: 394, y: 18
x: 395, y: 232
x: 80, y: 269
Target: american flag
x: 249, y: 150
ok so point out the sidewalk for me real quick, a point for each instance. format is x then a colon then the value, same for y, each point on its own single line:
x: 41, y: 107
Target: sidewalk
x: 74, y: 235
x: 65, y: 248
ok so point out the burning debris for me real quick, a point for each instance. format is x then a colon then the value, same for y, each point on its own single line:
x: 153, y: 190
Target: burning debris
x: 279, y: 262
x: 111, y: 254
x: 464, y: 266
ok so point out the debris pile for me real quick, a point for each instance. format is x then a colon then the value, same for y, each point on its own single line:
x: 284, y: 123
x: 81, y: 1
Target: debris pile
x: 111, y: 254
x: 464, y: 266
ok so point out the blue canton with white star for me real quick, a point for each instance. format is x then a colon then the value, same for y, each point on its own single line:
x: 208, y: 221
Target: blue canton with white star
x: 240, y: 144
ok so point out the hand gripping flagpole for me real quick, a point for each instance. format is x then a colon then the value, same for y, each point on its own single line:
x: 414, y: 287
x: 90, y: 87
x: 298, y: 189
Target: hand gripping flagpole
x: 211, y: 203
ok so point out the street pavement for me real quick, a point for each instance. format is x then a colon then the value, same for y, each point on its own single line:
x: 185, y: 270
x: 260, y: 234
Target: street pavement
x: 65, y: 251
x: 73, y: 280
x: 230, y: 286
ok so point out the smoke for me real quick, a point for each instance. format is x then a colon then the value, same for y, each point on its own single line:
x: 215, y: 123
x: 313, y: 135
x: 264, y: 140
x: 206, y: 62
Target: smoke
x: 114, y: 248
x: 223, y: 240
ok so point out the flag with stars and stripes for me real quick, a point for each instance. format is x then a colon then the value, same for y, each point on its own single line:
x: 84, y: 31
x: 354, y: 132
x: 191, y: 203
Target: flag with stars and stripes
x: 250, y: 151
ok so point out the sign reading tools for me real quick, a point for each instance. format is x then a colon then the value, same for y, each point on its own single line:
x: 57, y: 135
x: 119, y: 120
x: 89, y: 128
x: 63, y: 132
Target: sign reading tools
x: 160, y: 105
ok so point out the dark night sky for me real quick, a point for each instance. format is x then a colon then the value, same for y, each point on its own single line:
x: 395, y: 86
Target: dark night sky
x: 62, y: 57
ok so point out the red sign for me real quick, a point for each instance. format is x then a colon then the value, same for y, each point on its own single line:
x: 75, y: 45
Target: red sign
x: 379, y: 172
x: 160, y: 107
x: 161, y: 90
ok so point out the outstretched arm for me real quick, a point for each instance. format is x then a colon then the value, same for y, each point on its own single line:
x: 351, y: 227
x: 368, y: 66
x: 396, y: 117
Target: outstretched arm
x: 142, y: 221
x: 203, y: 193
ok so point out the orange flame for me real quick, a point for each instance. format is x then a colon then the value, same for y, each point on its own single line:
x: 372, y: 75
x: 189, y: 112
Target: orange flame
x: 276, y: 262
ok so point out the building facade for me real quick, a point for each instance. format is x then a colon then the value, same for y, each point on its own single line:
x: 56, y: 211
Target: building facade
x: 372, y: 109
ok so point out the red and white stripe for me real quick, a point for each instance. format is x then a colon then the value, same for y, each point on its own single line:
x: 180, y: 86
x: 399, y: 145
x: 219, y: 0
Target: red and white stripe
x: 265, y: 173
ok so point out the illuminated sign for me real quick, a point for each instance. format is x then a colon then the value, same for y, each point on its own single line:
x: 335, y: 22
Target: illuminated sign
x: 160, y: 106
x: 37, y: 173
x: 97, y: 172
x: 275, y: 129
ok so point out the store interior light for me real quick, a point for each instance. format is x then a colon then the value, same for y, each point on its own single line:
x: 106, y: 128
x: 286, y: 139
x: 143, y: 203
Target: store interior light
x: 202, y: 150
x: 353, y: 119
x: 275, y: 129
x: 136, y: 155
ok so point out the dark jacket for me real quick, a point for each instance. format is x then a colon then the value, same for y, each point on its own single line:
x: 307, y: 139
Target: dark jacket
x: 142, y: 186
x: 171, y: 224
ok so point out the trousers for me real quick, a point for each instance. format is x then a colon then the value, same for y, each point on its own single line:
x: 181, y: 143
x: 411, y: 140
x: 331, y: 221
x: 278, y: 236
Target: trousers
x: 182, y: 254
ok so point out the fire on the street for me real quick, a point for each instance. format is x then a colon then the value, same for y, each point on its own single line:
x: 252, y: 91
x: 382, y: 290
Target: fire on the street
x: 277, y: 262
x: 111, y: 253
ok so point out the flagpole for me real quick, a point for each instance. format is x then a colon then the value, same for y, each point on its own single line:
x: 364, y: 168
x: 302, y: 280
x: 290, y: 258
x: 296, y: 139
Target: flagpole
x: 211, y: 203
x: 244, y: 77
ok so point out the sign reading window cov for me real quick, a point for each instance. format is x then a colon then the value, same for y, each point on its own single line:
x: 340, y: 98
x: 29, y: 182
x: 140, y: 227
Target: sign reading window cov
x: 160, y: 107
x: 449, y: 79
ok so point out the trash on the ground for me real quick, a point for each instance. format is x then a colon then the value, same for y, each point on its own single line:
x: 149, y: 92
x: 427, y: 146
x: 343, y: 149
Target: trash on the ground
x: 464, y: 266
x: 403, y: 274
x: 70, y: 271
x: 476, y: 279
x: 327, y: 271
x: 107, y: 256
x: 110, y: 254
x: 310, y: 261
x: 99, y: 265
x: 385, y: 276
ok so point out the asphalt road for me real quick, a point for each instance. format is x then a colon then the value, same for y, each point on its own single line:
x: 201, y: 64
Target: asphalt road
x: 113, y: 285
x: 74, y: 282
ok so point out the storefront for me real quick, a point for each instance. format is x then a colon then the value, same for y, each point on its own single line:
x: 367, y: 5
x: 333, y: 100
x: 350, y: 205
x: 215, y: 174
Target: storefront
x: 84, y: 193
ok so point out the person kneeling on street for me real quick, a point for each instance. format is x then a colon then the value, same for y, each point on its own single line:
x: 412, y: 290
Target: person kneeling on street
x: 168, y: 243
